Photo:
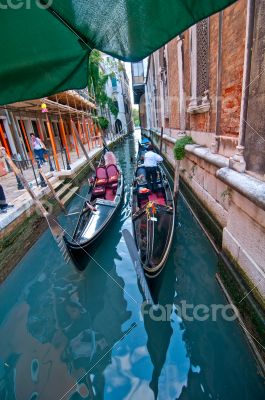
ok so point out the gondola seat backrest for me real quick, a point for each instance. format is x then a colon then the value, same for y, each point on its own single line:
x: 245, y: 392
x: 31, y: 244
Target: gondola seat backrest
x: 99, y: 191
x: 112, y: 173
x: 141, y: 176
x: 101, y: 176
x: 141, y: 171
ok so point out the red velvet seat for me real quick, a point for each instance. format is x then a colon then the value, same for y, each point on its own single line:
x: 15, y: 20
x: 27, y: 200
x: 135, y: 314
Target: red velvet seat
x: 101, y: 182
x: 112, y: 173
x: 101, y: 176
x: 113, y: 179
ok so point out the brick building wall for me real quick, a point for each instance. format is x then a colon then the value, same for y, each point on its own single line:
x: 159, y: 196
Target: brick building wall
x: 233, y: 48
x: 232, y: 61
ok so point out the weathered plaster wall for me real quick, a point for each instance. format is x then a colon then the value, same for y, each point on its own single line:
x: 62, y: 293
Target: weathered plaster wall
x: 244, y: 238
x: 255, y: 130
x: 243, y: 222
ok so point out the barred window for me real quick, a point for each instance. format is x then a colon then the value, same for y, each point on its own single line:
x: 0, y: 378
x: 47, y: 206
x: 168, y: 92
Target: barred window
x: 202, y: 31
x: 199, y: 57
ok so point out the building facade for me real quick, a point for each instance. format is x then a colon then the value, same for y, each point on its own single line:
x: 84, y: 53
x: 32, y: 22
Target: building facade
x: 118, y: 88
x: 57, y: 120
x: 209, y: 83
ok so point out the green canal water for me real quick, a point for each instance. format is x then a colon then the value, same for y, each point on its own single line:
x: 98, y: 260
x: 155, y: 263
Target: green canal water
x: 71, y: 335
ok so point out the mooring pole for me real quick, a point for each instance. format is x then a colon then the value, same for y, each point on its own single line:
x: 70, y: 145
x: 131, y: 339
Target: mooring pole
x: 176, y: 178
x: 42, y: 180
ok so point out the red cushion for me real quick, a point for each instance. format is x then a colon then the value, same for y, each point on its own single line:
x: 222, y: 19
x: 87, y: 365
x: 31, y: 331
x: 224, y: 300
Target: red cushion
x: 114, y: 186
x: 113, y: 179
x: 100, y: 182
x: 144, y: 190
x: 101, y: 173
x: 112, y: 170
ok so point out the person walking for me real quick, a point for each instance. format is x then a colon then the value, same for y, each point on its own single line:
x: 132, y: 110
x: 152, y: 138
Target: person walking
x: 3, y: 204
x: 151, y: 159
x: 38, y: 148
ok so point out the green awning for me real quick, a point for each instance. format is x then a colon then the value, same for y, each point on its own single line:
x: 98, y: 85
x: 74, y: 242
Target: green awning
x: 45, y: 50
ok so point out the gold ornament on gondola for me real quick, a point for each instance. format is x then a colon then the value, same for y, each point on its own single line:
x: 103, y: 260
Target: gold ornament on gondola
x: 150, y: 210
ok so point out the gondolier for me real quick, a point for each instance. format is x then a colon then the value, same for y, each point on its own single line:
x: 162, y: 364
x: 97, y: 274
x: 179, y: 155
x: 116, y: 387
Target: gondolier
x: 151, y: 159
x: 153, y: 212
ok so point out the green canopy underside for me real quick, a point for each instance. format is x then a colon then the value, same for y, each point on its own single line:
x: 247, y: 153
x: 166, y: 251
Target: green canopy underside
x: 45, y: 51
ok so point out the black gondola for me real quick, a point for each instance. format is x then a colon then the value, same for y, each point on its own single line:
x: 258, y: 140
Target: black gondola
x: 153, y: 216
x: 102, y: 202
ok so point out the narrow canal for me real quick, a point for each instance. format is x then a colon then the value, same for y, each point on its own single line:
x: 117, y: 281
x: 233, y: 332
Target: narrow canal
x: 59, y: 326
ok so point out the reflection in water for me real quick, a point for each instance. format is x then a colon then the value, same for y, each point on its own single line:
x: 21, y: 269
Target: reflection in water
x: 158, y: 327
x: 73, y: 314
x: 8, y: 376
x: 63, y: 333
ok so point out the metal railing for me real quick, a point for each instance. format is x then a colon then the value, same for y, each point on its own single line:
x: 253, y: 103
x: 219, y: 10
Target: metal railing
x: 26, y: 164
x: 36, y: 164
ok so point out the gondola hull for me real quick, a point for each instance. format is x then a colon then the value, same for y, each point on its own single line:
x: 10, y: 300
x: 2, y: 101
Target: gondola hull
x: 153, y: 238
x: 153, y: 225
x: 90, y: 227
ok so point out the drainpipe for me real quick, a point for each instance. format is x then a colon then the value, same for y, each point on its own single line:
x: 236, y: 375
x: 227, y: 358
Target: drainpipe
x: 216, y: 143
x: 237, y: 161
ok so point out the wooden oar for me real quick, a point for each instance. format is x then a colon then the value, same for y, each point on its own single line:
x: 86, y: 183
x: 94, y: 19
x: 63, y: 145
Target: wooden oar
x: 137, y: 265
x: 26, y: 185
x: 54, y: 226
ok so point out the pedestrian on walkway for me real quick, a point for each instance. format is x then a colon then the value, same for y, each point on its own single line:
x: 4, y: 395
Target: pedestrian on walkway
x: 3, y: 204
x: 151, y: 159
x: 38, y: 148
